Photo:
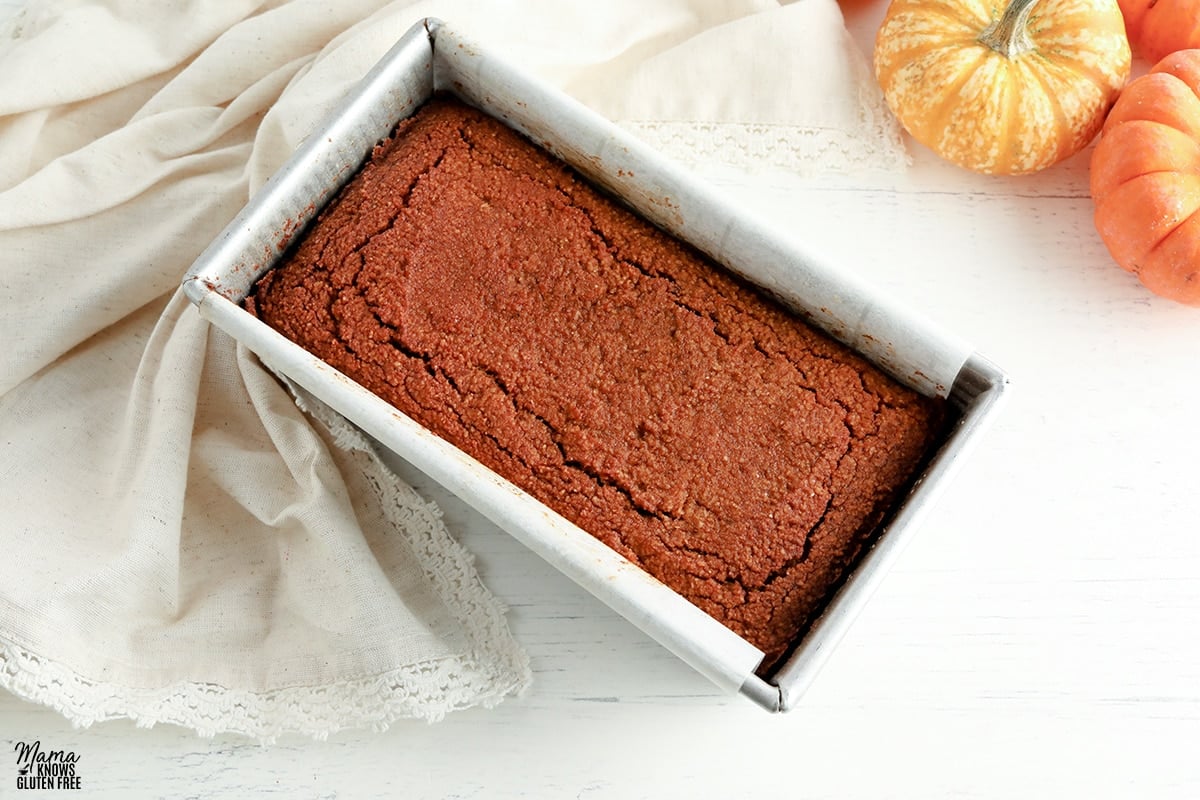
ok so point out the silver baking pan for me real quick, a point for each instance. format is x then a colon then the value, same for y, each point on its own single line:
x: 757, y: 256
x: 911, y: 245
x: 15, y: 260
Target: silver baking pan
x: 433, y: 57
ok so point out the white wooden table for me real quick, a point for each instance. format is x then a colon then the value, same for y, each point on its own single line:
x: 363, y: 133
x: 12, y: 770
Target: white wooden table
x: 1041, y: 637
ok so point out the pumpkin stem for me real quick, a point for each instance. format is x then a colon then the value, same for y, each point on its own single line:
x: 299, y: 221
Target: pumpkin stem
x: 1009, y: 35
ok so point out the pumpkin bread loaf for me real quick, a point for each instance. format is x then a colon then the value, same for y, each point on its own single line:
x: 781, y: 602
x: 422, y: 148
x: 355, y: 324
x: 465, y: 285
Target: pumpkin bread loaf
x: 697, y: 428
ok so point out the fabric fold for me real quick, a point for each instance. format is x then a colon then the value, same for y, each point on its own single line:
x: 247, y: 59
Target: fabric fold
x: 245, y: 550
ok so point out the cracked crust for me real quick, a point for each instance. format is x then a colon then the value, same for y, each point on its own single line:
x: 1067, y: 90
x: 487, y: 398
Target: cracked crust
x: 614, y: 373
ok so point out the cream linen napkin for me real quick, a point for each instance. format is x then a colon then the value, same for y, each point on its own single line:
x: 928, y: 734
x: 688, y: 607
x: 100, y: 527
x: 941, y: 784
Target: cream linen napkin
x: 183, y: 543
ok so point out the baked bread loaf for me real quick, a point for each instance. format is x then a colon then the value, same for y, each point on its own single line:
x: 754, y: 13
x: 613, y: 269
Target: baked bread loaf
x: 695, y: 426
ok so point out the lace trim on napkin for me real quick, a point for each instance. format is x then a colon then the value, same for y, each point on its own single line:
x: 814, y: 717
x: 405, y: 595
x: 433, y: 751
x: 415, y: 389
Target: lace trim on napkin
x: 495, y: 667
x: 755, y: 147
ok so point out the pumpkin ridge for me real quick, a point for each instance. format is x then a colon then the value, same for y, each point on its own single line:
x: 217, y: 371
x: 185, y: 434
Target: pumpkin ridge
x: 1133, y: 178
x: 1140, y: 102
x: 1082, y: 68
x: 1012, y: 114
x: 1171, y: 232
x: 1134, y: 128
x: 970, y: 15
x: 1061, y: 120
x: 1103, y: 210
x: 950, y: 96
x: 912, y: 48
x: 920, y: 52
x: 1152, y: 254
x: 1187, y: 134
x: 953, y: 17
x: 1193, y: 92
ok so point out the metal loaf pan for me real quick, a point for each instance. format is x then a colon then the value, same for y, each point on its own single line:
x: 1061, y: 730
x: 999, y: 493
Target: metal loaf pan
x: 433, y: 57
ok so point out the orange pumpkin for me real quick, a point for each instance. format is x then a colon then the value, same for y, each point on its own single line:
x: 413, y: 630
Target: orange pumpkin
x: 1157, y: 28
x: 1145, y: 178
x: 1002, y: 89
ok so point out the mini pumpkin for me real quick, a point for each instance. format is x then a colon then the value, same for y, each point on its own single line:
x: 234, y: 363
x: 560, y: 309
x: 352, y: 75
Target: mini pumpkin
x: 1006, y: 90
x: 1157, y: 28
x: 1145, y: 178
